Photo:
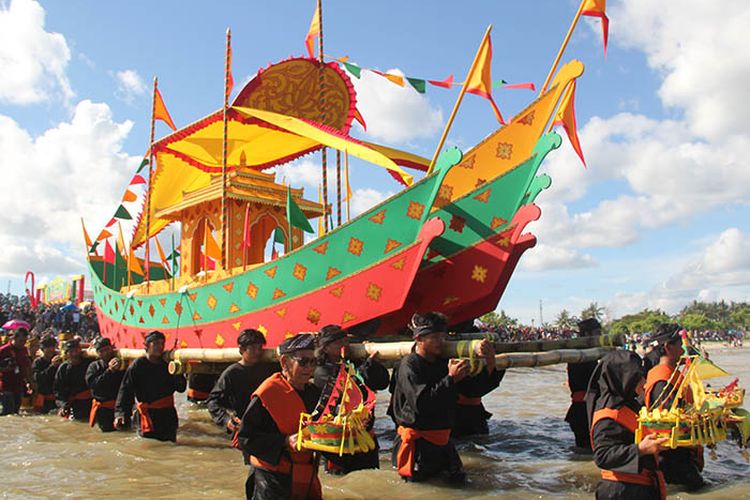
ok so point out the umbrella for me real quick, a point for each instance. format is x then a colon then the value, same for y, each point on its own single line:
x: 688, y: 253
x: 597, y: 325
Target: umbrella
x: 69, y: 307
x: 16, y: 323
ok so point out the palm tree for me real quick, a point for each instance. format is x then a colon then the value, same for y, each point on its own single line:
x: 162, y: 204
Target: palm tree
x: 594, y: 310
x: 564, y: 320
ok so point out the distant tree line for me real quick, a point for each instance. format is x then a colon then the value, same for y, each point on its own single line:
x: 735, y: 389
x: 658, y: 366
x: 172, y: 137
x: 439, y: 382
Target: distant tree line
x: 701, y: 316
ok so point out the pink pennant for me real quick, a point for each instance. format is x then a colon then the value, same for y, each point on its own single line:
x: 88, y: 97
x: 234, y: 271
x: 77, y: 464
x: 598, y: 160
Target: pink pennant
x: 527, y: 85
x: 447, y: 83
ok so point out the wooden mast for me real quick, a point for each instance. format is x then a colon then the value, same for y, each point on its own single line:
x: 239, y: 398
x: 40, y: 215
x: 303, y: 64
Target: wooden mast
x: 148, y: 192
x: 562, y: 47
x: 224, y: 206
x: 321, y: 83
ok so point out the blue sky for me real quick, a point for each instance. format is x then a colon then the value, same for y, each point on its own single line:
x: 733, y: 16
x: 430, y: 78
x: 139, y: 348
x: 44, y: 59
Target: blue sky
x: 658, y: 219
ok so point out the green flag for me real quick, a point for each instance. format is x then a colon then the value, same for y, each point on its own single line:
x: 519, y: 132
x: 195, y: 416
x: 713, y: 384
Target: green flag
x: 143, y: 164
x: 498, y: 84
x: 122, y: 213
x: 93, y: 247
x: 353, y: 69
x: 278, y: 235
x: 418, y: 84
x: 294, y: 214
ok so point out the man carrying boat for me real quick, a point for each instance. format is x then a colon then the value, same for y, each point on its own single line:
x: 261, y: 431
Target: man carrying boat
x: 331, y: 349
x: 680, y: 465
x: 231, y: 394
x: 71, y: 392
x: 103, y: 378
x: 424, y: 400
x: 629, y: 470
x: 43, y: 371
x: 578, y: 380
x: 199, y: 387
x: 268, y: 432
x: 15, y: 371
x: 148, y: 380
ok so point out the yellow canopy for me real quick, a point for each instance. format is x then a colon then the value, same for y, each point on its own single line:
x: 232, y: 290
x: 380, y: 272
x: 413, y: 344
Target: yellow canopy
x: 256, y: 139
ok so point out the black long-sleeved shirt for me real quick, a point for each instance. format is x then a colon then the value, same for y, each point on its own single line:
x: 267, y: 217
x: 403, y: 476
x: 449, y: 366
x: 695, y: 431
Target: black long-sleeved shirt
x: 260, y: 436
x: 70, y: 380
x: 147, y: 382
x: 104, y: 383
x: 424, y: 396
x: 230, y: 395
x: 43, y: 372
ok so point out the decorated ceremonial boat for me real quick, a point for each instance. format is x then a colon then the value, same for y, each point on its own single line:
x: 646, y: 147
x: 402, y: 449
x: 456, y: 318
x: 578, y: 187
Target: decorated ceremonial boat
x: 449, y: 242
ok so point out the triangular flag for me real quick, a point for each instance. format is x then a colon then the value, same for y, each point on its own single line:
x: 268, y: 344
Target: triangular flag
x: 111, y: 223
x: 103, y: 235
x: 162, y: 257
x: 353, y: 69
x: 596, y: 8
x: 566, y: 116
x: 278, y: 235
x: 498, y: 83
x: 312, y: 33
x: 397, y: 79
x: 479, y: 82
x: 447, y: 83
x: 294, y: 214
x: 133, y: 264
x: 137, y: 179
x: 160, y: 110
x: 360, y: 119
x: 418, y: 84
x: 142, y: 165
x: 274, y: 253
x: 93, y: 248
x: 212, y: 248
x: 122, y: 213
x: 526, y: 85
x: 109, y: 253
x: 86, y: 236
x: 129, y: 196
x: 343, y: 59
x: 120, y: 238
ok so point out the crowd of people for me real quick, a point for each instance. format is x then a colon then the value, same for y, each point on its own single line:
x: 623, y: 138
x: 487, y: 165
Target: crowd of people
x: 50, y: 318
x: 433, y: 400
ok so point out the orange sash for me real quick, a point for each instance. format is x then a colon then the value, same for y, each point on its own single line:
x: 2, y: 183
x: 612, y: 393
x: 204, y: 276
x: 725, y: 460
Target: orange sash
x: 578, y: 396
x: 409, y: 436
x: 196, y: 394
x: 629, y: 420
x: 284, y: 405
x: 40, y: 399
x: 659, y: 373
x: 146, y: 424
x: 95, y: 405
x: 81, y: 396
x: 467, y: 401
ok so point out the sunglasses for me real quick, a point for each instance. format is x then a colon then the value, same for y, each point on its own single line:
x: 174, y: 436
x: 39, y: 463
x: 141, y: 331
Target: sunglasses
x: 305, y: 362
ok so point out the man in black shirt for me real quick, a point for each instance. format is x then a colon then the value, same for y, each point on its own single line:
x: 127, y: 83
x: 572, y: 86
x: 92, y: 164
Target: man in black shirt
x: 424, y: 399
x: 71, y: 392
x: 578, y: 380
x: 148, y: 380
x: 103, y: 378
x: 230, y: 396
x: 43, y: 371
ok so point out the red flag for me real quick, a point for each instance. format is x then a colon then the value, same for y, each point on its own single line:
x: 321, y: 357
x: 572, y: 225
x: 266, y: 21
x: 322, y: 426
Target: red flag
x: 109, y: 253
x: 566, y: 116
x: 526, y: 85
x: 447, y: 83
x: 312, y: 33
x: 137, y: 179
x: 479, y: 82
x: 274, y: 253
x: 596, y: 8
x: 160, y: 111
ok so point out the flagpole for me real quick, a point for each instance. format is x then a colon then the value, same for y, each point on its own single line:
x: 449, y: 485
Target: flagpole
x: 458, y: 103
x: 224, y: 205
x: 562, y: 47
x: 338, y: 186
x: 174, y: 261
x: 321, y: 84
x: 148, y: 191
x: 348, y: 187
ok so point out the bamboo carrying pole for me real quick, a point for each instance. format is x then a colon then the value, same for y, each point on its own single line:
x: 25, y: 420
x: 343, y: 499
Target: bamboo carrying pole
x: 391, y: 351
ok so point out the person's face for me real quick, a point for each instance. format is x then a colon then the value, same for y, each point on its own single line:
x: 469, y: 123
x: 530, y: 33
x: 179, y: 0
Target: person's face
x: 673, y: 351
x: 155, y: 348
x: 334, y: 349
x: 432, y: 343
x: 106, y: 353
x: 74, y: 354
x: 48, y: 351
x: 298, y: 367
x: 251, y: 353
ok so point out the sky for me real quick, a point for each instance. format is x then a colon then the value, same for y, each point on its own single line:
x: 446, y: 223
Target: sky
x: 658, y: 218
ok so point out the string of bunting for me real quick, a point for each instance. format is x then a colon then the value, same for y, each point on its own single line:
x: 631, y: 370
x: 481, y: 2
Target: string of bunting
x: 420, y: 84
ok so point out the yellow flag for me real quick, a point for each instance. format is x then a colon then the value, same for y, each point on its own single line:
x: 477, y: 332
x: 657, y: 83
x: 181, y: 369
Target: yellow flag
x: 133, y: 264
x: 212, y: 248
x: 312, y: 33
x: 479, y: 82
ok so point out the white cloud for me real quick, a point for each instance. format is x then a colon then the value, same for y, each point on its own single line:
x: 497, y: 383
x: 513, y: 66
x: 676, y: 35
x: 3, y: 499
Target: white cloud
x: 33, y: 60
x: 74, y: 169
x: 701, y: 49
x: 129, y: 85
x: 545, y: 257
x: 364, y: 199
x: 395, y: 114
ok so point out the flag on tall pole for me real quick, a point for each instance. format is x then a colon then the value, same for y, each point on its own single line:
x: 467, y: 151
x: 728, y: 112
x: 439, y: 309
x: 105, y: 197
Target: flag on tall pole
x: 597, y: 8
x: 566, y: 116
x: 312, y: 33
x: 160, y: 109
x: 479, y: 81
x: 162, y: 257
x: 295, y: 216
